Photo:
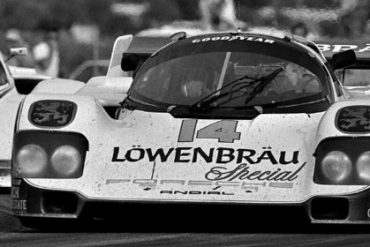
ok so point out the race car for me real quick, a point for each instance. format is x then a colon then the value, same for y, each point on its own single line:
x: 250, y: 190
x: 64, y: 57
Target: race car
x: 15, y: 83
x: 230, y: 118
x: 6, y: 86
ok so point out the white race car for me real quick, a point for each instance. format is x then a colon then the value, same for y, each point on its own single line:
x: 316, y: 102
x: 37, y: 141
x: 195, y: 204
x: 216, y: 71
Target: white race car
x: 9, y: 101
x: 15, y: 82
x: 227, y: 118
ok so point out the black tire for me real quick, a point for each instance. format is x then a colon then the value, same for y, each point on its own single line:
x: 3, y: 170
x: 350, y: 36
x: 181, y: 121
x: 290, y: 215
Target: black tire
x: 51, y: 224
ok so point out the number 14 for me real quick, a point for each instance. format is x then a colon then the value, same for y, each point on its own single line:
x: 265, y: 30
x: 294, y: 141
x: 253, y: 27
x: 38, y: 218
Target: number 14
x: 224, y: 131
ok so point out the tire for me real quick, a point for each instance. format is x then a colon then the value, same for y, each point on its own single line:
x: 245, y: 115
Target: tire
x: 51, y: 224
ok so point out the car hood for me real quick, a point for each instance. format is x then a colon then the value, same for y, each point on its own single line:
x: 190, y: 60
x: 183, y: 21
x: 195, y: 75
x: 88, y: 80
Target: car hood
x: 156, y: 157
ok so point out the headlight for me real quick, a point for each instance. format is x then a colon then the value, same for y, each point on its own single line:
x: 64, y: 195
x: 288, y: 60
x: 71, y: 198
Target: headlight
x: 336, y: 166
x: 31, y: 160
x: 343, y: 160
x: 363, y: 166
x: 48, y: 154
x: 66, y: 160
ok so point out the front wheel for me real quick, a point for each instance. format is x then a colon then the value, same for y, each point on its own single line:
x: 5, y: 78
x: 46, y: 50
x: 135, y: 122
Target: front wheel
x: 52, y: 224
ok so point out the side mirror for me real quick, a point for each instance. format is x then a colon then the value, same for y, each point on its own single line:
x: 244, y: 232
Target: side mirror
x: 130, y: 62
x: 178, y: 36
x: 22, y: 51
x: 343, y: 59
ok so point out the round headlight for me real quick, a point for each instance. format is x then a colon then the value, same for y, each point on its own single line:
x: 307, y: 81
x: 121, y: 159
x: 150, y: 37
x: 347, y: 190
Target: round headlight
x: 336, y: 166
x: 363, y: 166
x: 66, y: 160
x: 31, y: 160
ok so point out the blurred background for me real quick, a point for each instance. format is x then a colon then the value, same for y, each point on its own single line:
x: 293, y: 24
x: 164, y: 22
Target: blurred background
x: 74, y: 38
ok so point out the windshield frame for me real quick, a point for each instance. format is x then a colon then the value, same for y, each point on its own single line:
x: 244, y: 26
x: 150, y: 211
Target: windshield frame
x: 172, y: 52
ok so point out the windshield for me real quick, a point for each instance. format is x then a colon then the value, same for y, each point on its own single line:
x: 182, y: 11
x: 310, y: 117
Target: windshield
x: 354, y: 77
x: 186, y: 79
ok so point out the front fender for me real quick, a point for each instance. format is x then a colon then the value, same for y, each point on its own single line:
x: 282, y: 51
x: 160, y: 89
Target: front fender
x: 346, y: 118
x: 58, y: 86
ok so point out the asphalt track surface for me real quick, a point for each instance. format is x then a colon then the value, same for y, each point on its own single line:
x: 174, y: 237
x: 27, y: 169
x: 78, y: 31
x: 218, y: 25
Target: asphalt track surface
x: 171, y: 232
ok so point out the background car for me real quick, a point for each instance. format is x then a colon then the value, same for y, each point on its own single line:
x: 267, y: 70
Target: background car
x: 355, y: 78
x: 8, y: 105
x: 15, y: 82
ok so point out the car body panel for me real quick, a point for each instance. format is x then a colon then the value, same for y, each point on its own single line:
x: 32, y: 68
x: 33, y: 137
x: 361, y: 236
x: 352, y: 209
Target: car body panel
x: 24, y: 81
x: 110, y: 177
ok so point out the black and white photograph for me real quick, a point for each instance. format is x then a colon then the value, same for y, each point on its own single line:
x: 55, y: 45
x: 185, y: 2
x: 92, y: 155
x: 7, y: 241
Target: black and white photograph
x: 185, y: 123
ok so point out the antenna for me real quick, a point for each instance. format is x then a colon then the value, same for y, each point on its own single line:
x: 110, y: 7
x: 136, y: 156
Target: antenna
x: 238, y: 15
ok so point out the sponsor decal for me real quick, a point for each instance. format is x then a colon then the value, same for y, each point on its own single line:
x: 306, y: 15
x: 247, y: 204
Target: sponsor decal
x: 246, y: 161
x: 14, y: 192
x: 199, y: 187
x: 195, y: 192
x: 220, y: 155
x: 193, y: 183
x: 234, y: 38
x: 52, y: 113
x: 232, y: 163
x: 343, y: 47
x: 172, y: 181
x: 354, y: 119
x: 245, y: 172
x: 16, y: 182
x: 223, y: 131
x: 281, y: 185
x: 117, y: 181
x: 199, y: 183
x: 20, y: 205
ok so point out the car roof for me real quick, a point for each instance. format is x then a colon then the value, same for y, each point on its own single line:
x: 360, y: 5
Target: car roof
x: 144, y: 45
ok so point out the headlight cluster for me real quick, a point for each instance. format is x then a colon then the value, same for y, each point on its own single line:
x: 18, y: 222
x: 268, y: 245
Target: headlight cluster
x: 48, y: 155
x: 343, y: 160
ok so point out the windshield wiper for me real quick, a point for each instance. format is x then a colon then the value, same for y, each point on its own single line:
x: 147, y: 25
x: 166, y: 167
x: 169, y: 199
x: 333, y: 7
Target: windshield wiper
x: 264, y: 81
x: 237, y: 87
x: 234, y: 85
